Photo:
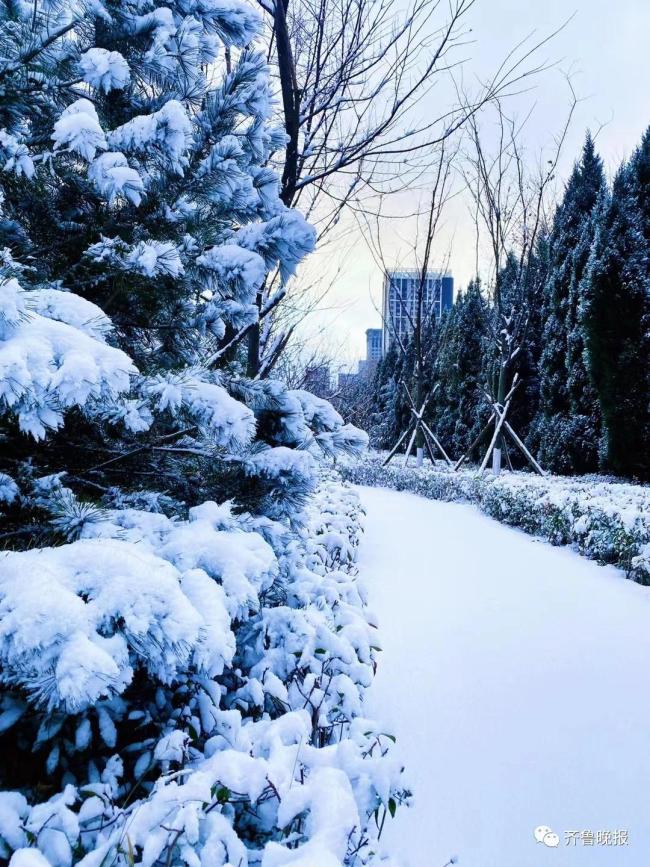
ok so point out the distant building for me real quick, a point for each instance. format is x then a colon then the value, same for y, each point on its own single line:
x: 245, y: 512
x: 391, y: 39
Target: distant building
x: 317, y: 380
x: 347, y: 380
x: 401, y: 296
x: 374, y: 345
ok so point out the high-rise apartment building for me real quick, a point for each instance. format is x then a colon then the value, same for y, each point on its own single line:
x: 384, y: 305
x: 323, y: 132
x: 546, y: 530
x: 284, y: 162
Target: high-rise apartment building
x: 400, y: 300
x: 374, y: 345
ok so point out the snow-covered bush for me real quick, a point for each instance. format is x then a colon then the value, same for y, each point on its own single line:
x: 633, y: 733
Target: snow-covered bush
x: 607, y: 521
x: 195, y: 689
x: 184, y: 642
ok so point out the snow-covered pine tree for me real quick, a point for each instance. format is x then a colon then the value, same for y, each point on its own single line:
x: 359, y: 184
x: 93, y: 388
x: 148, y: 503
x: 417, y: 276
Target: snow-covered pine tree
x: 393, y: 414
x: 523, y: 289
x: 568, y: 420
x: 170, y: 669
x: 459, y: 368
x: 382, y: 428
x: 138, y: 191
x: 616, y: 316
x: 526, y: 406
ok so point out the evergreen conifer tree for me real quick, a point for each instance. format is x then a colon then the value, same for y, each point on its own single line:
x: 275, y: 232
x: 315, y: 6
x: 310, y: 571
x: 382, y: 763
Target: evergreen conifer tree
x: 457, y: 410
x: 616, y: 316
x: 568, y: 420
x: 522, y: 289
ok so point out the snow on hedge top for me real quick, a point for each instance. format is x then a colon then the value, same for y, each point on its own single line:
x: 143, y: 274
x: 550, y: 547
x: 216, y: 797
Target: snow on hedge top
x: 48, y: 365
x: 312, y: 803
x: 605, y: 519
x: 94, y: 610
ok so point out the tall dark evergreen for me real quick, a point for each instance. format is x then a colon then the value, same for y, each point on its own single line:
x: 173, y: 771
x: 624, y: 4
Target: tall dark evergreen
x: 526, y: 404
x: 568, y: 420
x: 456, y: 414
x: 392, y: 414
x: 521, y: 284
x: 616, y: 317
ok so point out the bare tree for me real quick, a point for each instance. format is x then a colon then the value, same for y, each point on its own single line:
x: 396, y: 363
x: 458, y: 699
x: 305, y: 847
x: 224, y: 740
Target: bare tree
x: 417, y: 308
x: 510, y: 211
x: 352, y: 75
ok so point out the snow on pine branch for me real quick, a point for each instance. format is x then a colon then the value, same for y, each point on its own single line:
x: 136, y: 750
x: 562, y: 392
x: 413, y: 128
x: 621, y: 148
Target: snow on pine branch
x: 166, y: 132
x: 198, y: 395
x: 99, y: 610
x: 78, y: 130
x: 113, y: 177
x: 182, y: 680
x: 284, y: 240
x: 48, y: 365
x: 15, y: 155
x: 104, y: 70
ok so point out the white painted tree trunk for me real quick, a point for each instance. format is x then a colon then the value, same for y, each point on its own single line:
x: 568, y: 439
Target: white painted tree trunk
x: 419, y: 457
x: 496, y: 461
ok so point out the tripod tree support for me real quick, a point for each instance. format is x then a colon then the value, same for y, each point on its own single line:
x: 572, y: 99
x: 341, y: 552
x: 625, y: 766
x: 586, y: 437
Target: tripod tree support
x: 461, y: 460
x: 427, y: 434
x: 499, y: 414
x: 525, y: 451
x: 500, y: 420
x: 399, y: 442
x: 479, y: 437
x: 418, y: 424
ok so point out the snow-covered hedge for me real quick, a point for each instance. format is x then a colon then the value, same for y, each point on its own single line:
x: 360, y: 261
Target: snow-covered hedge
x: 227, y: 657
x: 606, y: 521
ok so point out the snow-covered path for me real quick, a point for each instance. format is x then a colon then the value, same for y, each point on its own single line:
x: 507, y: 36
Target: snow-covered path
x: 516, y: 677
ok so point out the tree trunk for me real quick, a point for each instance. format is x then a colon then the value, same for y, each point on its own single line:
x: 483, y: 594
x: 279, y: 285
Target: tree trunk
x: 291, y: 109
x: 253, y: 352
x: 419, y: 374
x: 501, y: 396
x: 290, y: 101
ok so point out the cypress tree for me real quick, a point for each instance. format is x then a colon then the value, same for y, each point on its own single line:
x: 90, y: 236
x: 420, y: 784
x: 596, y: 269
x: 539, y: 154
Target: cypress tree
x: 526, y: 404
x: 568, y: 421
x: 616, y: 316
x: 459, y: 370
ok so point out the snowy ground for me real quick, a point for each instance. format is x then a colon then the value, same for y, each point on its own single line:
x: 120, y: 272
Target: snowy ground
x: 516, y: 678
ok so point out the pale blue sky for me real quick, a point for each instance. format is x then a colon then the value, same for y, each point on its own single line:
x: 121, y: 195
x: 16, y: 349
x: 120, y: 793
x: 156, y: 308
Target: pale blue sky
x: 606, y: 48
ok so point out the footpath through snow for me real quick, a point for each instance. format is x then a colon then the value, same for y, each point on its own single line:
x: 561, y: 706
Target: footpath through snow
x: 515, y: 676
